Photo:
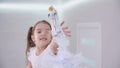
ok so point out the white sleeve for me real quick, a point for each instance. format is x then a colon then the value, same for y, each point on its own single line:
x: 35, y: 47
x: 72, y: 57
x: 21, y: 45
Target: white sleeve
x: 29, y: 54
x: 28, y: 57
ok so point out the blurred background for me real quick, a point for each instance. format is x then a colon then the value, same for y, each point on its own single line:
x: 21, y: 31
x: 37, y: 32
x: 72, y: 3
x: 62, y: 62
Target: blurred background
x: 94, y: 25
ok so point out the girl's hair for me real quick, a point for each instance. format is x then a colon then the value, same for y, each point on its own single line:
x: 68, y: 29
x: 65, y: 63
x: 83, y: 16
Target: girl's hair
x: 30, y: 42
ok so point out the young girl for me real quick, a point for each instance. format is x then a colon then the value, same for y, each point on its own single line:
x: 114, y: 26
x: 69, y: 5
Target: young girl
x: 41, y: 48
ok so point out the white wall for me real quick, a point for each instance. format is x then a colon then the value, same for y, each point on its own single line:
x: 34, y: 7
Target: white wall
x: 107, y: 13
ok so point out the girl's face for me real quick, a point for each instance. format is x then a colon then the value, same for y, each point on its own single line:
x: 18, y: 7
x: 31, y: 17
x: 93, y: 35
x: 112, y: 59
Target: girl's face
x: 42, y: 35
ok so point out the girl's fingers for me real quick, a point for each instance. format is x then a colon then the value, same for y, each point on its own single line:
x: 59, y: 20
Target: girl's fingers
x: 64, y: 28
x: 62, y: 23
x: 67, y: 33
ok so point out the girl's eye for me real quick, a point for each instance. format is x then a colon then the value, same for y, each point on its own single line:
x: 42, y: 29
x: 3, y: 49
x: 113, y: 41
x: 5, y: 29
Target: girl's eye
x: 39, y: 32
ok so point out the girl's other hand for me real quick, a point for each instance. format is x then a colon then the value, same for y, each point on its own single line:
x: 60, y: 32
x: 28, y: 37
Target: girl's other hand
x: 65, y: 30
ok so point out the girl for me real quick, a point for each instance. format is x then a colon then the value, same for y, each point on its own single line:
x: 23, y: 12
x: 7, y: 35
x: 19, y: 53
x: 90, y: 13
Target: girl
x: 41, y: 48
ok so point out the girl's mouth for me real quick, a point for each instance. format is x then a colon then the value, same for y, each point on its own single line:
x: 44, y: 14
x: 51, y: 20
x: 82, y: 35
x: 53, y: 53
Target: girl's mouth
x: 43, y: 39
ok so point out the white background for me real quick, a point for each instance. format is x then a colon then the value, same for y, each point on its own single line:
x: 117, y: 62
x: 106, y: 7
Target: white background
x: 14, y: 26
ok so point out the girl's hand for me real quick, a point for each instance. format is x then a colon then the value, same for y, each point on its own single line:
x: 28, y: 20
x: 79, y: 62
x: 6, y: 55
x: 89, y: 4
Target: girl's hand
x: 65, y: 30
x: 54, y: 47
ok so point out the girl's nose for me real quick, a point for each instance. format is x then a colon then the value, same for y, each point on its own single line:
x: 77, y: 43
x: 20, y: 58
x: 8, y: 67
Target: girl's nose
x: 43, y: 33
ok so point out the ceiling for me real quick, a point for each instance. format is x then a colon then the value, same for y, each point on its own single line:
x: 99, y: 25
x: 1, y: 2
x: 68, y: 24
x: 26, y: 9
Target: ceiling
x: 48, y: 2
x: 37, y: 1
x: 34, y: 5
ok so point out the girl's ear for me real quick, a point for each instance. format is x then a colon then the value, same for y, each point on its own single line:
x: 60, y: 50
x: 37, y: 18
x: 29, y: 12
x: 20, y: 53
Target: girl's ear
x: 33, y: 38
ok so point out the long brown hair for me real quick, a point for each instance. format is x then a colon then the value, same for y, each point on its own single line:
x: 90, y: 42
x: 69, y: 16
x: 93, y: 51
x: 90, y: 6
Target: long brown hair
x: 30, y: 42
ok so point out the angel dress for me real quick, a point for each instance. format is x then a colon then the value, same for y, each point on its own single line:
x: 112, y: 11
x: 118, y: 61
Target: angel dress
x: 48, y: 60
